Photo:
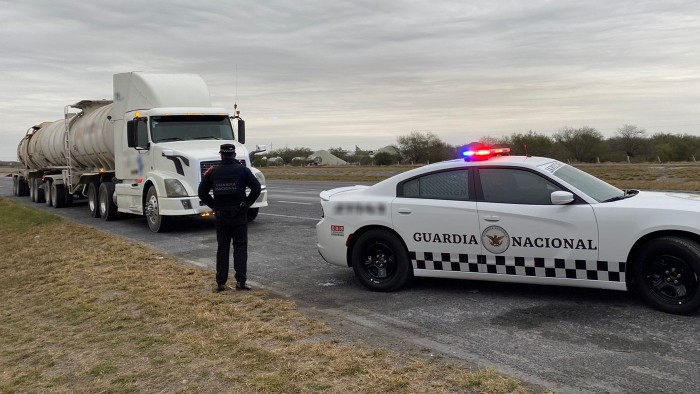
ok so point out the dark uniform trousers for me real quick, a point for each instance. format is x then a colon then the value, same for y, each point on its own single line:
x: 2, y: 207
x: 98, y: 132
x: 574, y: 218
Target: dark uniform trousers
x: 231, y: 228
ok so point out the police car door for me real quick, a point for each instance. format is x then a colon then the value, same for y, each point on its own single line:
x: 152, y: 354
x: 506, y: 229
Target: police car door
x: 525, y: 236
x: 435, y: 214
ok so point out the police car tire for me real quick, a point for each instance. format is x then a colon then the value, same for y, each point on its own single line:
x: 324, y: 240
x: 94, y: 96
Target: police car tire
x: 398, y: 270
x: 665, y: 259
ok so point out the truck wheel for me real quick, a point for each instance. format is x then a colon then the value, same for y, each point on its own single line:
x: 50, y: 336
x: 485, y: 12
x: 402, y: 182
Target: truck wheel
x: 667, y: 275
x: 92, y: 196
x: 15, y: 186
x: 58, y: 195
x: 23, y: 187
x: 156, y: 222
x: 47, y: 193
x: 39, y: 195
x: 107, y: 207
x: 380, y: 261
x: 32, y: 190
x: 252, y: 214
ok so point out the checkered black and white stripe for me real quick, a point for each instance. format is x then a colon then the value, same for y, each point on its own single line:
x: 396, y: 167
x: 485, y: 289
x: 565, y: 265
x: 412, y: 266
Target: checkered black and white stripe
x: 611, y: 271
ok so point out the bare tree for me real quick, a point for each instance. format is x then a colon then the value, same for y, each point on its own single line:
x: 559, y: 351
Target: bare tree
x: 631, y: 139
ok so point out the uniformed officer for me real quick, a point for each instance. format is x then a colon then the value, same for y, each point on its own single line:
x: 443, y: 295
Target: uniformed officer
x: 230, y: 204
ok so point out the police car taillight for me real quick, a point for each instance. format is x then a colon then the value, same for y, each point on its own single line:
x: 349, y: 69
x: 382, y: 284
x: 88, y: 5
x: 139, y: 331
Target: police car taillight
x: 484, y: 153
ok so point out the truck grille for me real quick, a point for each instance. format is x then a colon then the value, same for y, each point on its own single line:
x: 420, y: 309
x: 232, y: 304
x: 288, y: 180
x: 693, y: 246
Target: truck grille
x: 205, y: 165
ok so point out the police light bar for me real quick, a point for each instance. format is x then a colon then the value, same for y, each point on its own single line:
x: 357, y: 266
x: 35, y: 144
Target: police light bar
x: 484, y: 153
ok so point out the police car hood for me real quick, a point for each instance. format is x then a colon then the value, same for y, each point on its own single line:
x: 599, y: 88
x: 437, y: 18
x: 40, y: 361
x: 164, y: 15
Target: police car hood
x: 662, y: 200
x: 342, y: 191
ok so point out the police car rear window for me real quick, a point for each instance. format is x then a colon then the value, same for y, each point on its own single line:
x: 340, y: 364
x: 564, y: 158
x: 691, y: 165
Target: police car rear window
x: 448, y: 185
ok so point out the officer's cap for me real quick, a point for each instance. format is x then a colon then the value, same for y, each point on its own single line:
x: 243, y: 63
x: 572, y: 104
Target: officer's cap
x: 227, y: 149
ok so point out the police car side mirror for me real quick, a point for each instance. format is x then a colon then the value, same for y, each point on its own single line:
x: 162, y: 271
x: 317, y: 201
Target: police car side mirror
x: 562, y: 197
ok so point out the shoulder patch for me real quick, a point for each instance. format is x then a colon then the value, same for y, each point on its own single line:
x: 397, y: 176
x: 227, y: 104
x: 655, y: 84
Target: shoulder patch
x: 209, y: 170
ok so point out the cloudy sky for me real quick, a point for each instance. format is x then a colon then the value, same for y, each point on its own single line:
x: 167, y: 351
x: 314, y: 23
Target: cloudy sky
x: 323, y: 74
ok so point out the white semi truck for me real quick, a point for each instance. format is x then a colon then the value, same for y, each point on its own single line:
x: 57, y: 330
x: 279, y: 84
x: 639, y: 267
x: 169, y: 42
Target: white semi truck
x: 143, y: 153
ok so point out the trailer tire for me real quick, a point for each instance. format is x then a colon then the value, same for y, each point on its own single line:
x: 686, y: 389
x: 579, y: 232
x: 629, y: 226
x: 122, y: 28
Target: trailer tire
x: 15, y: 186
x: 47, y: 192
x: 39, y: 195
x: 93, y: 202
x: 23, y: 187
x: 58, y: 195
x: 156, y: 222
x: 107, y: 207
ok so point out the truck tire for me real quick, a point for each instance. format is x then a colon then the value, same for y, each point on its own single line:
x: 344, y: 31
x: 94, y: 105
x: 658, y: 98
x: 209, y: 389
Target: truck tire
x: 107, y: 207
x: 93, y: 201
x: 32, y: 190
x: 156, y: 222
x: 667, y: 275
x: 47, y: 192
x: 23, y: 187
x: 58, y: 195
x: 252, y: 214
x: 39, y: 195
x: 15, y: 186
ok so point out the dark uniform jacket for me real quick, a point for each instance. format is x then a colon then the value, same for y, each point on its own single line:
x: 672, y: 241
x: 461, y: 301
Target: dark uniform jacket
x: 229, y: 181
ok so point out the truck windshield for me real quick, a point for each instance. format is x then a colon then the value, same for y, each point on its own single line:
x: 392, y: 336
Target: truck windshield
x: 190, y: 127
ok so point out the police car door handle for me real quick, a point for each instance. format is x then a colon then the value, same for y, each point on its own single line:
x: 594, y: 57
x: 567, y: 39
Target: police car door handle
x: 492, y: 218
x: 404, y: 211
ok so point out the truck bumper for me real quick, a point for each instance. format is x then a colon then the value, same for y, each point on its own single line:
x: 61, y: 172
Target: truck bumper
x: 181, y: 206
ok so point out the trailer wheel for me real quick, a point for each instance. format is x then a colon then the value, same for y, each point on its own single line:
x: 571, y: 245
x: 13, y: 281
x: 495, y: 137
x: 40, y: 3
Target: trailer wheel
x: 39, y: 195
x: 48, y: 199
x: 23, y: 187
x: 156, y: 222
x: 15, y: 186
x: 108, y: 209
x: 32, y: 190
x: 92, y: 195
x: 58, y: 195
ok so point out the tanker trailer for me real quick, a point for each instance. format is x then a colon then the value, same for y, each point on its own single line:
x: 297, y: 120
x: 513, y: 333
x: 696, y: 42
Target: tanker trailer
x: 143, y: 153
x: 56, y: 155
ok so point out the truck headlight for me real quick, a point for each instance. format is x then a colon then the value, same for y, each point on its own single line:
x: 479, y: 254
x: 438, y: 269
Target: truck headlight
x: 173, y: 188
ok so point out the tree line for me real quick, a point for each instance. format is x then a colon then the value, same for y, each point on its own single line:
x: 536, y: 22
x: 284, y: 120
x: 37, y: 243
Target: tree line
x: 585, y: 144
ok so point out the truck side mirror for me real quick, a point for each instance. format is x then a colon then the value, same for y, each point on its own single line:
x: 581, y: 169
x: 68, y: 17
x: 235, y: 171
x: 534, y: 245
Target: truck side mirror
x: 241, y: 131
x: 137, y: 134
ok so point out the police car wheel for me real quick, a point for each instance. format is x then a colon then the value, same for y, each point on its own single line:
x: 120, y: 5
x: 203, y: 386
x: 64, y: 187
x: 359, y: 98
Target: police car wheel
x: 667, y: 274
x: 380, y: 261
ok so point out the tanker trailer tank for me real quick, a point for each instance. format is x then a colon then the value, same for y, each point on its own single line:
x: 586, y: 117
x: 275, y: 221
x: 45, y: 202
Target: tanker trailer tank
x: 91, y: 139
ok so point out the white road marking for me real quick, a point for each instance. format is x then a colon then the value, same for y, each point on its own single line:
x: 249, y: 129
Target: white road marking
x: 288, y: 216
x: 295, y: 202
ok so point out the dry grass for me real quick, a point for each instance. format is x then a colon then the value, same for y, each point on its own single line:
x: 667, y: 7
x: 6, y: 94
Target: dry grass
x: 674, y: 176
x: 86, y: 311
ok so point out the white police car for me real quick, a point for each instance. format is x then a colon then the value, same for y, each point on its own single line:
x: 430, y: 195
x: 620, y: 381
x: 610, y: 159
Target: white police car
x: 516, y: 219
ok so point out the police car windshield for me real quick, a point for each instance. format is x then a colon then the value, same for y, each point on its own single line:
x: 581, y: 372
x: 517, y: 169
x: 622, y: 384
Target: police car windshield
x: 587, y: 183
x: 190, y: 127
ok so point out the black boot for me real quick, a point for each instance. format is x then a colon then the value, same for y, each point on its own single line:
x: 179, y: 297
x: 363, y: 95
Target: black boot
x: 242, y: 286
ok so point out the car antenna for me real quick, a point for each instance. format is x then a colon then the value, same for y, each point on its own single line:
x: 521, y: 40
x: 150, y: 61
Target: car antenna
x: 235, y: 96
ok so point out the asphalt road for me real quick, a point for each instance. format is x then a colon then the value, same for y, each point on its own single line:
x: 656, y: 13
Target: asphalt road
x: 565, y: 339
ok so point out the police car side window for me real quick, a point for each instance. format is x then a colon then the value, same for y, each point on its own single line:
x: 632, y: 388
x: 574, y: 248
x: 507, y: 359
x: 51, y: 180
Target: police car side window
x: 513, y: 186
x: 448, y: 185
